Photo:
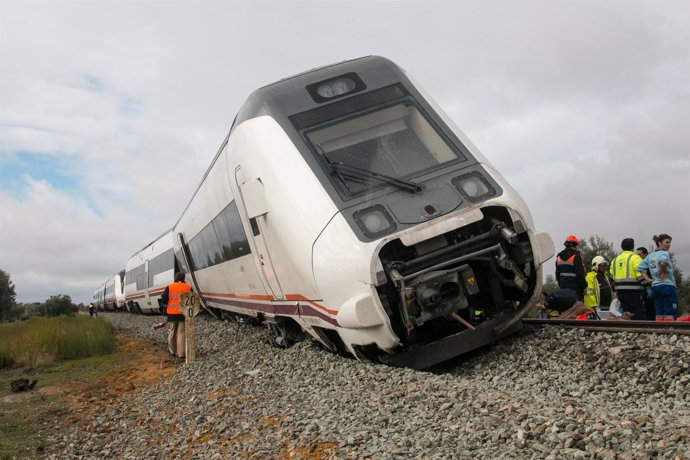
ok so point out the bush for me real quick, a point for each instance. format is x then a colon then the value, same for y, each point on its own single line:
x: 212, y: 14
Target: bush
x: 43, y: 340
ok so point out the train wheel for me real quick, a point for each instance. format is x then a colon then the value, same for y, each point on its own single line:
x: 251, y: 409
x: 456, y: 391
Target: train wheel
x: 286, y: 332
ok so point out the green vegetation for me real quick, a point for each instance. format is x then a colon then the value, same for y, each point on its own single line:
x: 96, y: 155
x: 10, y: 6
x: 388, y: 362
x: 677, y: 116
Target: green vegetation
x: 27, y: 419
x: 7, y: 296
x: 59, y: 351
x: 44, y: 340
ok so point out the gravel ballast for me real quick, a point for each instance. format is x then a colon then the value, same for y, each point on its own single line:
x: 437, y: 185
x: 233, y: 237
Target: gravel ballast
x: 543, y: 393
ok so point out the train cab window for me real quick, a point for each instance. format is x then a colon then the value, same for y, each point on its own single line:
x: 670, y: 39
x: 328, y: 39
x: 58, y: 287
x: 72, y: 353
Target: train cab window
x: 396, y: 141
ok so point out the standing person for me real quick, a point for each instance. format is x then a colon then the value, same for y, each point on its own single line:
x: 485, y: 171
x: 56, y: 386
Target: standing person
x: 647, y: 299
x: 599, y: 287
x: 570, y: 270
x: 171, y: 299
x: 627, y: 280
x: 92, y: 310
x: 662, y: 280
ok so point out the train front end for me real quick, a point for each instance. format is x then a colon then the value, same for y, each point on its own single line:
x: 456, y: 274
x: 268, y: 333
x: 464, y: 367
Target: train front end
x: 432, y: 253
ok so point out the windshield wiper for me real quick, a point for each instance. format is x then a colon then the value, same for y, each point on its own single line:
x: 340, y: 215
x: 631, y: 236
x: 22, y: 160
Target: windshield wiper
x: 360, y: 172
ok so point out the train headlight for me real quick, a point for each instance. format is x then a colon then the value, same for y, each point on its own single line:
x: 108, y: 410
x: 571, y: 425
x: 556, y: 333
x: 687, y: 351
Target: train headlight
x: 473, y: 186
x: 324, y: 91
x: 335, y: 88
x: 374, y: 221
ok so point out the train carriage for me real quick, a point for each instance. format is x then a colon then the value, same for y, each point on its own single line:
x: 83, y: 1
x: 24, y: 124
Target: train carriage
x: 98, y: 299
x: 345, y: 205
x: 114, y: 293
x: 147, y: 273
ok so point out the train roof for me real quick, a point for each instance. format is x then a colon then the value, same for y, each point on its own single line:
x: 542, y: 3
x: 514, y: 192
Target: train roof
x: 290, y: 92
x: 154, y: 240
x: 285, y: 93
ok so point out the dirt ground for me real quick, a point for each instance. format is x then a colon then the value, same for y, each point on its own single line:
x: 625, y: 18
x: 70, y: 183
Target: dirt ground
x: 139, y: 364
x: 83, y: 390
x: 146, y: 363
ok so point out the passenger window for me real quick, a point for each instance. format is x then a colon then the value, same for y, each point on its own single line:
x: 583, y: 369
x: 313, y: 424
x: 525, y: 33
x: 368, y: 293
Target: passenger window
x: 223, y: 239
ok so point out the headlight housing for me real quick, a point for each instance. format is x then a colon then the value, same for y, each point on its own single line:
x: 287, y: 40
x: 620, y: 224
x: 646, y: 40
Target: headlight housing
x: 474, y: 187
x: 375, y: 221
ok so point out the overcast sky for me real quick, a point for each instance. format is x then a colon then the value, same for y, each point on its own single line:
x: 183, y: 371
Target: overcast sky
x: 110, y: 112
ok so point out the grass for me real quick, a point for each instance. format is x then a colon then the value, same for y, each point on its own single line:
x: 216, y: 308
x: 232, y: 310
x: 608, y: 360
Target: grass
x: 58, y: 351
x: 46, y: 340
x: 27, y: 419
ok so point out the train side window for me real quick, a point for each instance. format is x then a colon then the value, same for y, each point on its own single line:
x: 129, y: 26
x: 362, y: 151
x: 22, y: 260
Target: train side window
x: 211, y: 245
x: 197, y: 253
x: 222, y: 227
x: 133, y: 277
x: 240, y: 246
x: 141, y: 281
x: 223, y: 239
x: 161, y: 263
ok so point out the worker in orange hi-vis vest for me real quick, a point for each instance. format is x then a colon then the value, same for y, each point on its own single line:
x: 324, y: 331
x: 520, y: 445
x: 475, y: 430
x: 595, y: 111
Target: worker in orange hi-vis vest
x: 176, y: 320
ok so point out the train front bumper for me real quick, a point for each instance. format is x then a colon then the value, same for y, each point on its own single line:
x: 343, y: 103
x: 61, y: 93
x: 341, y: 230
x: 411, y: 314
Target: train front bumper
x: 438, y: 351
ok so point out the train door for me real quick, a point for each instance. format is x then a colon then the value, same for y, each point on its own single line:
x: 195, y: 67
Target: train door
x: 146, y: 283
x: 253, y: 206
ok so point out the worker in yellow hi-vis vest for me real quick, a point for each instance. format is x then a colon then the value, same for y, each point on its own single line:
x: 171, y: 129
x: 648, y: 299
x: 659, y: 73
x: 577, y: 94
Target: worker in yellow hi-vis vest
x: 628, y: 281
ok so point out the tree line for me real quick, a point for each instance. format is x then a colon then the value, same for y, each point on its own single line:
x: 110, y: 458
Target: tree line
x: 10, y: 310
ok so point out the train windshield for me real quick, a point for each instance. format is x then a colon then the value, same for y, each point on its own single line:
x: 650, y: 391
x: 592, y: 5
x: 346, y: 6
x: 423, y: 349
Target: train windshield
x: 387, y: 146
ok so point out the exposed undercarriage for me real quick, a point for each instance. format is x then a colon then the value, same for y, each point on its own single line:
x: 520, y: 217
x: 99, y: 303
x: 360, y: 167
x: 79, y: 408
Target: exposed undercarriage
x: 458, y: 280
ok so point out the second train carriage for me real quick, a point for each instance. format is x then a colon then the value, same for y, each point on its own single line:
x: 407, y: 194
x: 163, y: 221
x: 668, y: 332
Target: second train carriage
x: 98, y: 299
x: 345, y: 205
x: 148, y: 272
x: 114, y: 292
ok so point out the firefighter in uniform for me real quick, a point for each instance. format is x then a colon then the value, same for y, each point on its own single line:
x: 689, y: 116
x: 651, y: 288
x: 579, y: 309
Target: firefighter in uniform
x: 570, y: 275
x: 628, y: 281
x: 171, y: 300
x: 599, y: 289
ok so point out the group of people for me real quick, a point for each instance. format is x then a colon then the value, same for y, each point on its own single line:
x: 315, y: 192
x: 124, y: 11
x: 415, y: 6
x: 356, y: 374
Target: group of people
x: 641, y: 282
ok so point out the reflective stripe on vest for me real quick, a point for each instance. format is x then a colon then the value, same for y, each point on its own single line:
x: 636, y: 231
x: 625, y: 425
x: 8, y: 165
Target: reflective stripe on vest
x: 174, y: 292
x: 567, y: 267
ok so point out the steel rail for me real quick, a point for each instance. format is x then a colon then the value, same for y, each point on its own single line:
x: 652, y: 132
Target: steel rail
x: 637, y: 327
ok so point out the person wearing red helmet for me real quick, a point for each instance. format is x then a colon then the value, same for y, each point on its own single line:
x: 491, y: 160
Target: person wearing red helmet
x: 571, y: 278
x: 570, y: 270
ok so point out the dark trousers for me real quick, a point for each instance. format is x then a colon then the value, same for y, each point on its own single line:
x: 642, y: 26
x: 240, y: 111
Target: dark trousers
x: 631, y: 301
x: 649, y: 308
x: 562, y: 300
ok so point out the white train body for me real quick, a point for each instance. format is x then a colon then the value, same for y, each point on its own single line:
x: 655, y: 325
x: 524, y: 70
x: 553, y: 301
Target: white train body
x: 114, y: 293
x: 147, y: 273
x: 98, y: 299
x: 364, y: 219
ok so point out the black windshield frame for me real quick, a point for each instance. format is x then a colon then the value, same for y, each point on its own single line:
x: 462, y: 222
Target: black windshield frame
x: 358, y: 107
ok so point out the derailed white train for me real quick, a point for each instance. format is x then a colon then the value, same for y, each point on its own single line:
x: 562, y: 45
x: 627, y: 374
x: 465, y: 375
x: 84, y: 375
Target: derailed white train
x: 344, y: 204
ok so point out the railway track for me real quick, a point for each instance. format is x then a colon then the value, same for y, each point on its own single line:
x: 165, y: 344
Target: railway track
x: 638, y: 327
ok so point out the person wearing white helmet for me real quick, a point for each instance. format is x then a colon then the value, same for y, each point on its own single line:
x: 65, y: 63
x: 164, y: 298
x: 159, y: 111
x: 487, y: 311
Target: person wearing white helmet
x: 599, y: 292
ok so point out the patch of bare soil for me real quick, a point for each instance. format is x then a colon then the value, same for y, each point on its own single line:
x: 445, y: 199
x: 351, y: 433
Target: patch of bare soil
x: 145, y: 363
